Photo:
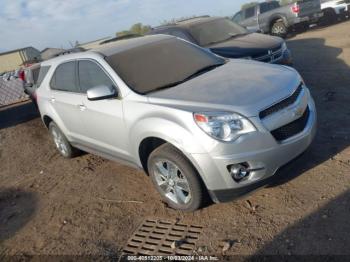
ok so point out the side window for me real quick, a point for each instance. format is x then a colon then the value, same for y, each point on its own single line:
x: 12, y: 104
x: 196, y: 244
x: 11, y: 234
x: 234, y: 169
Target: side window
x: 268, y: 6
x: 237, y: 18
x: 64, y: 78
x: 91, y: 75
x: 249, y: 12
x: 264, y: 7
x: 42, y: 73
x: 180, y: 34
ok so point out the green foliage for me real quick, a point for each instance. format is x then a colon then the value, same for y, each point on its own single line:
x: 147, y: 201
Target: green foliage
x: 287, y: 2
x: 174, y: 20
x: 138, y: 29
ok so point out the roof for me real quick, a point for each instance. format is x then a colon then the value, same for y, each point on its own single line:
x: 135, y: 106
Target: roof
x: 190, y: 22
x: 16, y: 50
x: 123, y: 45
x: 94, y: 41
x: 110, y: 48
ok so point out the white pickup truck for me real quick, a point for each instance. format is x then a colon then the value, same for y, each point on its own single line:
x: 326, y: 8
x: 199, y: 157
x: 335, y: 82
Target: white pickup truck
x: 334, y: 9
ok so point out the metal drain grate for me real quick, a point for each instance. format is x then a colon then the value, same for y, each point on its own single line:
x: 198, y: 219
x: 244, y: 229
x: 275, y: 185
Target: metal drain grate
x: 159, y: 237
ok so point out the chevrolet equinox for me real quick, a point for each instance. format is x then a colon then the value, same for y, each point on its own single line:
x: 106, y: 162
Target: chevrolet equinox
x: 198, y: 124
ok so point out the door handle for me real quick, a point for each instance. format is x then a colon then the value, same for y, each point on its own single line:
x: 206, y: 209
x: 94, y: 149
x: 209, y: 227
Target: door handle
x: 82, y: 107
x: 53, y: 100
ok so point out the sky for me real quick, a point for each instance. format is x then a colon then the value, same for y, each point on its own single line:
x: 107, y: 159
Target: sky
x: 57, y: 23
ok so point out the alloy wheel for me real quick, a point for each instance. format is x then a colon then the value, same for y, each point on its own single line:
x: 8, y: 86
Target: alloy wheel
x: 172, y: 182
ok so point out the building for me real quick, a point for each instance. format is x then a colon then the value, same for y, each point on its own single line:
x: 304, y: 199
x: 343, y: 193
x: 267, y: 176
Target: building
x: 93, y: 44
x: 49, y: 53
x: 14, y: 59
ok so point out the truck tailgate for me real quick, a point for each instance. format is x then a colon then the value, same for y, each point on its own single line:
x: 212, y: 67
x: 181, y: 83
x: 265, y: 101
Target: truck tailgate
x: 309, y: 7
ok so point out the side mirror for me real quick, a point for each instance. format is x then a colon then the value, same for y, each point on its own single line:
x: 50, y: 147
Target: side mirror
x: 101, y: 92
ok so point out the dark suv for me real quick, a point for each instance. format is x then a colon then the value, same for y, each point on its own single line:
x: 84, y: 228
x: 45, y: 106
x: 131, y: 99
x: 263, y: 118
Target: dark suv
x: 228, y: 39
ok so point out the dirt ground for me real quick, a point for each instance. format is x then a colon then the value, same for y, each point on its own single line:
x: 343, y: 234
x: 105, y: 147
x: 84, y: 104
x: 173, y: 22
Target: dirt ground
x: 50, y: 205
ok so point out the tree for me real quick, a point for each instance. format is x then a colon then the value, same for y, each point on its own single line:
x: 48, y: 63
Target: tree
x: 137, y: 29
x: 287, y: 2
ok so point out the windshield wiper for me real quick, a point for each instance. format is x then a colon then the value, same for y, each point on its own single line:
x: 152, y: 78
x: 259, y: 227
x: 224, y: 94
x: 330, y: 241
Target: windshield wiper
x: 202, y: 71
x: 197, y: 73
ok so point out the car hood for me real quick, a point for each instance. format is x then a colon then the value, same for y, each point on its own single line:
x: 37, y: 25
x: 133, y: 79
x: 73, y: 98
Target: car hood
x: 246, y: 45
x: 242, y: 86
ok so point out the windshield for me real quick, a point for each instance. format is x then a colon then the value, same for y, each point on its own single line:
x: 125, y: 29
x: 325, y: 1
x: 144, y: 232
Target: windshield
x: 216, y: 31
x: 161, y: 64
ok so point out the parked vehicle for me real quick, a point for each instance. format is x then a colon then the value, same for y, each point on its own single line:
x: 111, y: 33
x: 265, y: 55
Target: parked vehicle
x: 6, y: 76
x: 272, y: 18
x: 31, y: 77
x: 195, y: 122
x: 335, y: 9
x: 228, y: 39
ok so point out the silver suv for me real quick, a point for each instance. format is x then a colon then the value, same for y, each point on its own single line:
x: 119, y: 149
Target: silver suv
x: 198, y: 124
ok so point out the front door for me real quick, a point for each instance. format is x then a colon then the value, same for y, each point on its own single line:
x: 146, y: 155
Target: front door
x: 103, y: 119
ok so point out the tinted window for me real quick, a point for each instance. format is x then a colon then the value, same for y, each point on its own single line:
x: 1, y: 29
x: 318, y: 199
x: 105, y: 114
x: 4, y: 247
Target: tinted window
x: 249, y: 12
x: 237, y: 18
x: 215, y: 31
x: 265, y: 7
x: 42, y: 73
x: 180, y: 34
x: 91, y: 75
x: 64, y: 78
x: 161, y: 64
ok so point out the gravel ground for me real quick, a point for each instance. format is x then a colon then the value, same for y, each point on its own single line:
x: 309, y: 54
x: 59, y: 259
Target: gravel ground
x: 50, y: 205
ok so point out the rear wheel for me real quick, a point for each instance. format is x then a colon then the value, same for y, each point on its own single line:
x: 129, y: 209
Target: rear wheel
x: 176, y: 179
x: 61, y: 142
x: 329, y: 17
x: 279, y: 29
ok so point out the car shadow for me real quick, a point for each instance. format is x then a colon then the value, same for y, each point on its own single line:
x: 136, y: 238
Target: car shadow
x: 17, y: 114
x: 328, y: 78
x: 17, y: 207
x: 322, y: 233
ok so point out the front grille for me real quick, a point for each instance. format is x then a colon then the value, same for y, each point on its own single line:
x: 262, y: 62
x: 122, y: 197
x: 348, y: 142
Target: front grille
x: 292, y: 128
x: 283, y: 104
x: 271, y: 56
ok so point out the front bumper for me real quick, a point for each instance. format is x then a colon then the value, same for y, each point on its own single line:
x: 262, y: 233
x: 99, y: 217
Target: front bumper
x: 263, y: 154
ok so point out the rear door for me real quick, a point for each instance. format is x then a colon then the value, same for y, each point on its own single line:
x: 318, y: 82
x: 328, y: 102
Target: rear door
x: 250, y: 19
x: 66, y: 98
x: 103, y: 119
x: 264, y: 14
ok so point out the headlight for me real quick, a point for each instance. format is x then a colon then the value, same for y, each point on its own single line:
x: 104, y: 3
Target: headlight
x: 284, y: 47
x: 223, y: 126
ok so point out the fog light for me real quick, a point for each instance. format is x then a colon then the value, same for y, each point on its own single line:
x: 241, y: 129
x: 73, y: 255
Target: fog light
x: 239, y: 171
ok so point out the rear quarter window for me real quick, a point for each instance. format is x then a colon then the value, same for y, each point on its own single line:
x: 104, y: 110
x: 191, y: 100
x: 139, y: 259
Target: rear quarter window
x: 64, y: 78
x: 41, y: 75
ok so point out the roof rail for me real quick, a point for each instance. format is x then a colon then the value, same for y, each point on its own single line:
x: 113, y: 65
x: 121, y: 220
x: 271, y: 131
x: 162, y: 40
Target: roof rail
x: 190, y: 18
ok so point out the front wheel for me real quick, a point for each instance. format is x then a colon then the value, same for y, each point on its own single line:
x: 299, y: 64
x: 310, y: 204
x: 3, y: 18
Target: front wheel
x: 279, y: 29
x: 176, y: 179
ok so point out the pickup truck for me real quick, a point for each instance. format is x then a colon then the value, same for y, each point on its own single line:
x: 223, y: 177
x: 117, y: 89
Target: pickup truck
x: 334, y: 9
x: 272, y: 18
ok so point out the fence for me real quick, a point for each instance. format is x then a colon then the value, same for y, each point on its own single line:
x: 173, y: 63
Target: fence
x: 11, y: 92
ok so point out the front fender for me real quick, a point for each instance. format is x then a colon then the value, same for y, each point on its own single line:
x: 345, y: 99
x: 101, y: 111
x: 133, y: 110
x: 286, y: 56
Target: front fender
x: 166, y: 130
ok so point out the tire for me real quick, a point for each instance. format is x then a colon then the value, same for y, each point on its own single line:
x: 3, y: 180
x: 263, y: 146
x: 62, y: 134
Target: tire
x: 173, y: 189
x: 279, y: 29
x: 61, y: 142
x: 329, y: 18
